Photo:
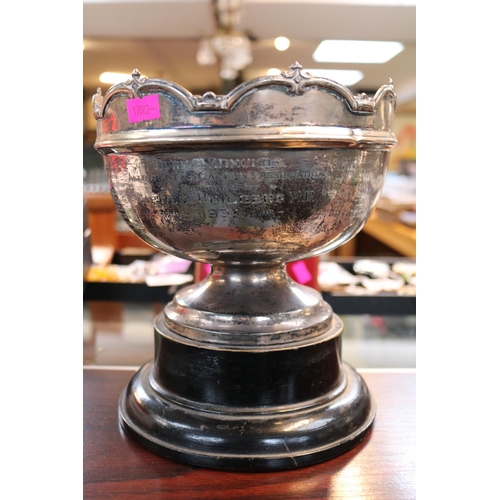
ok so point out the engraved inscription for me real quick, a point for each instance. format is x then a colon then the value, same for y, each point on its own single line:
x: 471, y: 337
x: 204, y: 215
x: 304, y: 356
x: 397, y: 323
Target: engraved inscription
x: 243, y: 199
x: 235, y: 190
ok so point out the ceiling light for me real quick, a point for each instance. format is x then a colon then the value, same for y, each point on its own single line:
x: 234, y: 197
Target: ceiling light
x: 344, y: 76
x: 356, y: 51
x: 233, y: 50
x: 273, y: 71
x: 282, y: 43
x: 228, y: 46
x: 205, y: 55
x: 110, y: 77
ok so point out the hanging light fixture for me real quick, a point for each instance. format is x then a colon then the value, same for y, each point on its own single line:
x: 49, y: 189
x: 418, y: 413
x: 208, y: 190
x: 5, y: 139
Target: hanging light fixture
x: 228, y: 45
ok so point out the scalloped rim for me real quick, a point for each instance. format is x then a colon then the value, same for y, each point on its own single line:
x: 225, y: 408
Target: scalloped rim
x: 296, y: 80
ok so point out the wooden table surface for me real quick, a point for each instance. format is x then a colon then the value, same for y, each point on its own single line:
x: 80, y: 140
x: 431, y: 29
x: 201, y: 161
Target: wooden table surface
x: 382, y: 467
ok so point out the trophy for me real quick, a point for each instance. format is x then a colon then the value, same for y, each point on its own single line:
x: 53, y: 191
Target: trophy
x: 247, y: 372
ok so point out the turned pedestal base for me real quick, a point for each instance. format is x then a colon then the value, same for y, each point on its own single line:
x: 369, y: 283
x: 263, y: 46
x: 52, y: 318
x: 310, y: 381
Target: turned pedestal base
x: 248, y: 409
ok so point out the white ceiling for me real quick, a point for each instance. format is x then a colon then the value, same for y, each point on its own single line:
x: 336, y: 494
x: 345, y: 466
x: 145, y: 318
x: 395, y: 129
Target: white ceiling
x: 161, y: 37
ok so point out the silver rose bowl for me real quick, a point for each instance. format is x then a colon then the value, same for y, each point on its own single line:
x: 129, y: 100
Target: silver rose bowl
x: 247, y: 371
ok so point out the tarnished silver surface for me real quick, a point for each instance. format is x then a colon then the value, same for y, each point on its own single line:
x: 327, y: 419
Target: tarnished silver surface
x: 280, y: 169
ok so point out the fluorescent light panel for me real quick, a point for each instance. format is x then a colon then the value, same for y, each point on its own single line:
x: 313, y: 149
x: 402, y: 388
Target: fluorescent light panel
x: 356, y: 51
x: 110, y: 77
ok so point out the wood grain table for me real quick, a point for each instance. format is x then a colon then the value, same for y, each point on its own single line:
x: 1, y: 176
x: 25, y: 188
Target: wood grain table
x: 382, y: 467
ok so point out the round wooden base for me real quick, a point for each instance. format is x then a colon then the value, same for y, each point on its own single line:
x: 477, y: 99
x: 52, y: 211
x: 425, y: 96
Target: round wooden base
x: 247, y: 409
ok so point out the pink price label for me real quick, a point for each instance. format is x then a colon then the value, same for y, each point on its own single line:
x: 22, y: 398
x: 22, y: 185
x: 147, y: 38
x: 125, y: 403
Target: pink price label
x: 302, y: 274
x: 147, y: 108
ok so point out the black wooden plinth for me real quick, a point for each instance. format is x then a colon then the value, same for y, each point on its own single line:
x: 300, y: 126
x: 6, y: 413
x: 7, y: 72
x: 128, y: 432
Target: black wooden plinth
x: 246, y: 409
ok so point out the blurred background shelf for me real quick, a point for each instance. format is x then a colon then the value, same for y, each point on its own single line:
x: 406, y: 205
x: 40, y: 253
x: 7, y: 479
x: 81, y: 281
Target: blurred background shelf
x: 396, y: 235
x: 381, y: 303
x: 384, y: 303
